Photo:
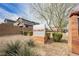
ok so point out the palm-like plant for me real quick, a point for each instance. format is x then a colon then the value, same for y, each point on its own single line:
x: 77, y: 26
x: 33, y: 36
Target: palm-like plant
x: 17, y: 49
x: 26, y: 51
x: 12, y: 48
x: 31, y: 43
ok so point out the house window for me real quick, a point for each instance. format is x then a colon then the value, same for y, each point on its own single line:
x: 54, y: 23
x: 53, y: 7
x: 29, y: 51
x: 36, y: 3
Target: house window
x: 26, y: 25
x: 21, y: 26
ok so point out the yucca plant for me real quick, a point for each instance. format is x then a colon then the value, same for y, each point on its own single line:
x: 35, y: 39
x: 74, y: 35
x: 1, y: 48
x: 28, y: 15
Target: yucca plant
x: 26, y: 51
x: 31, y: 43
x: 18, y: 48
x: 12, y: 48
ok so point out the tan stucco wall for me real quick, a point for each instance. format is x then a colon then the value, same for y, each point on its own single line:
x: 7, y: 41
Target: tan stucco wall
x: 39, y: 39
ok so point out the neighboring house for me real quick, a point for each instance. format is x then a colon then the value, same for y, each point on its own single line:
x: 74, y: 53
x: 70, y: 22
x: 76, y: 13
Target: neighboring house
x: 19, y: 26
x: 24, y: 23
x: 21, y: 22
x: 9, y: 21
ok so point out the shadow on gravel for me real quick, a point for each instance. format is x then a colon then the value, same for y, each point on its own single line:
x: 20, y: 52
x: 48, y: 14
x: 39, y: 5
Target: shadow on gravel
x: 51, y: 41
x: 64, y: 41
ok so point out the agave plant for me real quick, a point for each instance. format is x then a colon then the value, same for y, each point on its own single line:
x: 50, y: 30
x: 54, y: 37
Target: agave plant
x: 31, y: 43
x: 12, y: 48
x: 26, y: 51
x: 17, y: 49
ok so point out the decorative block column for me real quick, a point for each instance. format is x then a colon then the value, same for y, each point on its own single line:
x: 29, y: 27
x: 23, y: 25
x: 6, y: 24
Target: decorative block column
x: 73, y: 34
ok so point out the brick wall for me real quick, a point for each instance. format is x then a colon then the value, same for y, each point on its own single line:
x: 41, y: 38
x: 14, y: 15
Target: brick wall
x: 73, y: 34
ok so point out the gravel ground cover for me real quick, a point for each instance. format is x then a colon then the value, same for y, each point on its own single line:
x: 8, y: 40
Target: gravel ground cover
x: 49, y: 49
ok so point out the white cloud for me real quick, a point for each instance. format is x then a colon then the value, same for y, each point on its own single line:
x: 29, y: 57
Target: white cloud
x: 24, y: 12
x: 1, y: 21
x: 5, y: 14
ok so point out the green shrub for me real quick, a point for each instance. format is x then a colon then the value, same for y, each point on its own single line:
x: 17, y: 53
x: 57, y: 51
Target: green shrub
x: 18, y: 49
x: 57, y: 36
x: 12, y: 48
x: 25, y: 33
x: 21, y: 32
x: 31, y: 33
x: 31, y: 43
x: 26, y: 51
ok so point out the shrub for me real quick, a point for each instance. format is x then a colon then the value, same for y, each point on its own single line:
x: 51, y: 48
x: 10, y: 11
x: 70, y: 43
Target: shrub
x: 31, y: 33
x: 16, y: 49
x: 25, y: 33
x: 12, y: 48
x: 21, y: 32
x: 26, y: 51
x: 31, y: 43
x: 57, y: 36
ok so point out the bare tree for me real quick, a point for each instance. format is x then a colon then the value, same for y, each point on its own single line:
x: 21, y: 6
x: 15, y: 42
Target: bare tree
x: 55, y: 14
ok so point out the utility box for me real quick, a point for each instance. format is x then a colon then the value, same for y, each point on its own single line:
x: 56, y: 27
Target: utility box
x: 74, y: 30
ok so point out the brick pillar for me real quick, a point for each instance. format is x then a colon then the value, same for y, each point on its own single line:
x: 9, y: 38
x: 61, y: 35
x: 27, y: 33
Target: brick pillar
x: 73, y: 34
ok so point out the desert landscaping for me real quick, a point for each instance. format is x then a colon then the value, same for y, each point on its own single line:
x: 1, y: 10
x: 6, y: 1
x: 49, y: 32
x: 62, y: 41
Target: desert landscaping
x: 48, y: 49
x: 39, y: 29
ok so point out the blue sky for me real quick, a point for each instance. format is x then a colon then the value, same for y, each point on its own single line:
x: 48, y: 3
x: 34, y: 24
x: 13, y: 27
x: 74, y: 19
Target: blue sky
x: 14, y: 10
